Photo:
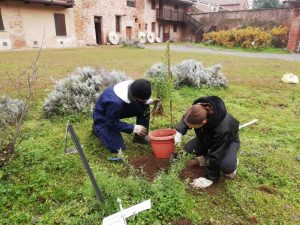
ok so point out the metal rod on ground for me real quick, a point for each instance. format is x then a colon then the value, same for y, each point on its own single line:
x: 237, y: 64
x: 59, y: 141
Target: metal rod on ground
x: 248, y: 124
x: 85, y: 163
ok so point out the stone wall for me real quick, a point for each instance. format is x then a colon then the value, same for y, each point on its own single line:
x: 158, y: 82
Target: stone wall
x: 264, y: 17
x: 267, y: 18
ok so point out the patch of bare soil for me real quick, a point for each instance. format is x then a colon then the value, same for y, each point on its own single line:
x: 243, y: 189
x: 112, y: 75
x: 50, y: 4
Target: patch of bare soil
x: 181, y: 222
x: 268, y: 189
x: 149, y: 165
x: 192, y: 171
x: 6, y: 153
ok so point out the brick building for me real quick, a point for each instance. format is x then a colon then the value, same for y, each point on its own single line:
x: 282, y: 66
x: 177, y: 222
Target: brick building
x: 24, y: 24
x: 95, y: 19
x: 221, y: 5
x: 72, y: 23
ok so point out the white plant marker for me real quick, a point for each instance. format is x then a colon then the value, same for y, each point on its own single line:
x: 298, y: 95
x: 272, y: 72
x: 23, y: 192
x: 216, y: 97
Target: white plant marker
x: 119, y: 218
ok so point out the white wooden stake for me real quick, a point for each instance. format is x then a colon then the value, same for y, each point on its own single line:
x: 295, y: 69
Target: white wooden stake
x: 248, y: 124
x: 119, y: 218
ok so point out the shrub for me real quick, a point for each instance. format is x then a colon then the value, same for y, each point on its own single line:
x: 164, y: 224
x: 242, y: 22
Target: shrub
x: 249, y: 37
x: 192, y: 73
x: 158, y: 75
x: 133, y: 44
x: 280, y: 36
x: 11, y: 109
x: 6, y: 133
x: 79, y: 91
x: 10, y: 112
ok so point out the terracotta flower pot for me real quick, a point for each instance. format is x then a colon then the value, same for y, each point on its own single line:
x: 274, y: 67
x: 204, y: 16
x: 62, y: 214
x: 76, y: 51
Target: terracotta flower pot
x: 162, y: 142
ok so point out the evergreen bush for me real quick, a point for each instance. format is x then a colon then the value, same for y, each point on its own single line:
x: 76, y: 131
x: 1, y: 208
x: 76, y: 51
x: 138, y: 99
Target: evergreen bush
x: 186, y: 73
x: 192, y: 73
x: 158, y: 75
x: 10, y: 112
x: 79, y: 91
x: 11, y: 109
x: 132, y: 44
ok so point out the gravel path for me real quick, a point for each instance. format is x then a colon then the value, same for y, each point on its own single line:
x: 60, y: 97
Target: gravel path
x: 193, y: 48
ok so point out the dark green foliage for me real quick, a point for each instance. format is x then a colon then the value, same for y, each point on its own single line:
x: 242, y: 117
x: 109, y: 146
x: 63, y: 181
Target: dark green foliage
x: 265, y: 4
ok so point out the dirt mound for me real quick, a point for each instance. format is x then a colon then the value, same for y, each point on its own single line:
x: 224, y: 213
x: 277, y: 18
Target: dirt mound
x: 181, y: 222
x: 149, y: 165
x: 192, y: 171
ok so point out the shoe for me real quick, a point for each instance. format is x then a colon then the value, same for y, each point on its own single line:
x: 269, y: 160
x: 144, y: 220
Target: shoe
x: 141, y: 140
x: 233, y: 174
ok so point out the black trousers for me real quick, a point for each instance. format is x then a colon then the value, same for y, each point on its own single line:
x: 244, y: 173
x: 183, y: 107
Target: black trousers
x: 228, y: 163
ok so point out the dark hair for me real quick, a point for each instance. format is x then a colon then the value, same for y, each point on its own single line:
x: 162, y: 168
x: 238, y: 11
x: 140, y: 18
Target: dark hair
x: 195, y: 115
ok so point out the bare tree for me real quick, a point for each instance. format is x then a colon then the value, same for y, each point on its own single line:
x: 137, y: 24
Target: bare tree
x: 30, y: 77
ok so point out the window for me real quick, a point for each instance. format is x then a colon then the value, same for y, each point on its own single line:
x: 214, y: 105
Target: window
x: 153, y: 26
x: 60, y: 24
x: 174, y: 28
x: 153, y: 4
x: 1, y: 22
x: 146, y: 26
x: 131, y: 3
x: 118, y: 23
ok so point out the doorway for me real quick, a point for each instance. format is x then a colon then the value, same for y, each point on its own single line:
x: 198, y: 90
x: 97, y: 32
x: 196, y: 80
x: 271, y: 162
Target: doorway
x: 128, y: 33
x: 166, y: 33
x: 98, y: 29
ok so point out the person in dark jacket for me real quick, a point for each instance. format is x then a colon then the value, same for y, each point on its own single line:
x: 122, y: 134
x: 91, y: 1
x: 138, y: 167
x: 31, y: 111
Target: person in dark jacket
x: 216, y: 142
x: 126, y: 99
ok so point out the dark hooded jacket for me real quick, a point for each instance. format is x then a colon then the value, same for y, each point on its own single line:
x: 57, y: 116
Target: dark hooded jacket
x: 216, y: 135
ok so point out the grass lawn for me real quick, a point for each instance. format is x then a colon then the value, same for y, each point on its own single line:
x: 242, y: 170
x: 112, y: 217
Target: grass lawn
x: 271, y: 50
x: 42, y: 185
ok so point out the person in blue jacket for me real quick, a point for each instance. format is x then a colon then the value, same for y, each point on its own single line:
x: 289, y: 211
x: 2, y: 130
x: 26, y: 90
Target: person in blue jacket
x: 126, y: 99
x: 217, y: 140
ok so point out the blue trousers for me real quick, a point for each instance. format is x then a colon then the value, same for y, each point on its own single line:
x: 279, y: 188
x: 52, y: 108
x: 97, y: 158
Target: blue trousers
x: 112, y: 139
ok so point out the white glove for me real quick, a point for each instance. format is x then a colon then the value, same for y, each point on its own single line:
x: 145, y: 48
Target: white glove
x: 140, y: 130
x: 177, y: 137
x: 201, y: 182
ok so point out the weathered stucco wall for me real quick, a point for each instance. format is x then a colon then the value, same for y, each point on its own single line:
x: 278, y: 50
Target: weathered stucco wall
x: 264, y: 18
x: 26, y: 24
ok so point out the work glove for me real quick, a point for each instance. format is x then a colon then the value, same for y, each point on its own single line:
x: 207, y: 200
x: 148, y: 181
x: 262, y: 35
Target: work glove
x: 202, y: 161
x: 177, y: 137
x: 201, y: 182
x: 140, y: 130
x: 152, y: 101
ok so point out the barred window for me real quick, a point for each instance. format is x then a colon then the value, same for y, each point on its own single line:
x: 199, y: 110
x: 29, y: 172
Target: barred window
x: 131, y: 3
